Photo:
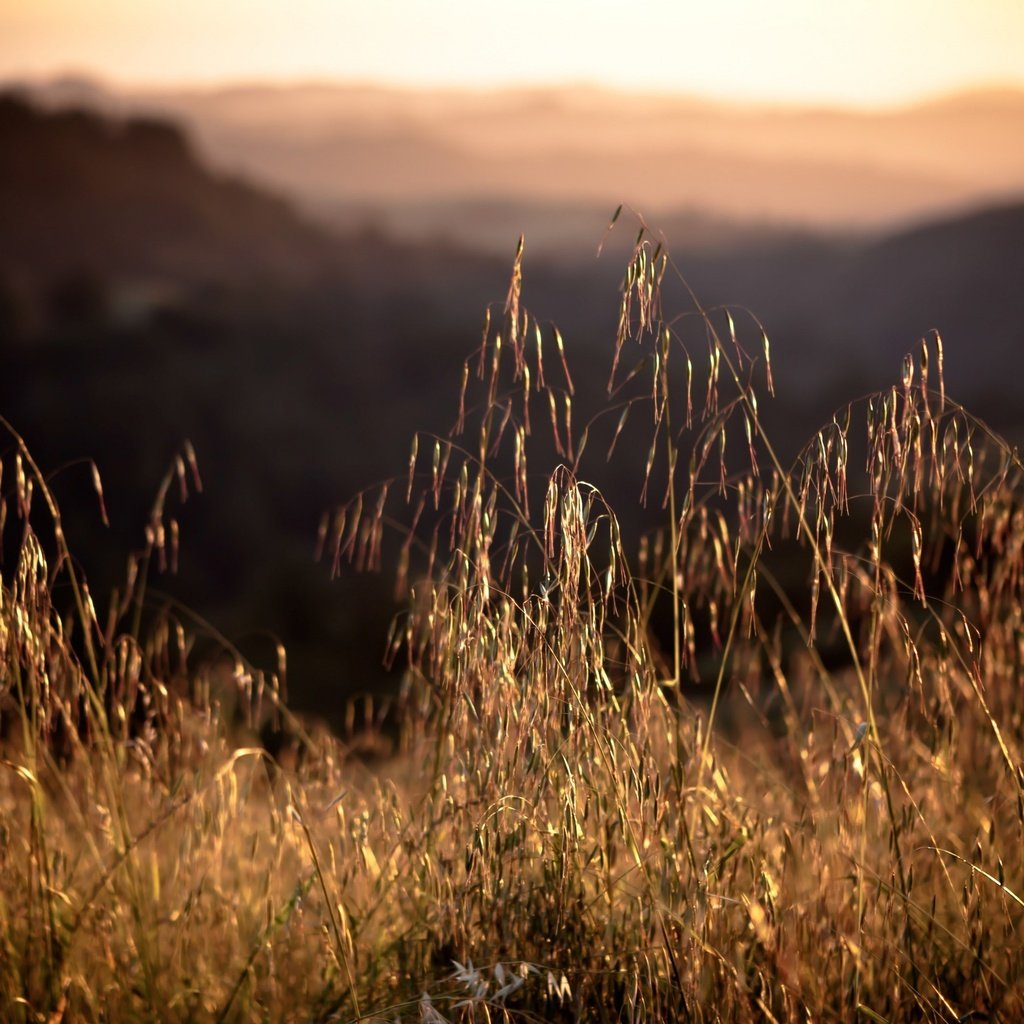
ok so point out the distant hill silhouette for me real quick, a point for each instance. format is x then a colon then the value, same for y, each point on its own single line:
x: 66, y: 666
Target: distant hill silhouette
x: 842, y: 310
x: 428, y: 163
x: 145, y: 300
x: 955, y: 276
x: 129, y: 198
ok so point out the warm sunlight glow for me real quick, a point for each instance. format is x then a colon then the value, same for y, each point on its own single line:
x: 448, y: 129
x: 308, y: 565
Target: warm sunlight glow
x: 875, y: 52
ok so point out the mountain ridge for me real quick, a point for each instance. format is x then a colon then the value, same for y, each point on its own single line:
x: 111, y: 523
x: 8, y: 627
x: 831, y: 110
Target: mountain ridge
x: 128, y: 197
x: 339, y: 150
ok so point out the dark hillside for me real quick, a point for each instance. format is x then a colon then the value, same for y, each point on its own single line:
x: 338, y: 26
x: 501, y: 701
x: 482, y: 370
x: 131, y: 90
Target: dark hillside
x: 129, y: 199
x: 842, y: 314
x: 144, y: 301
x: 960, y: 276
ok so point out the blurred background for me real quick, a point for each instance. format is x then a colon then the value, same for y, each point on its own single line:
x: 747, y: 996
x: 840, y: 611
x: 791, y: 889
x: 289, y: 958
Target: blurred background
x: 273, y: 229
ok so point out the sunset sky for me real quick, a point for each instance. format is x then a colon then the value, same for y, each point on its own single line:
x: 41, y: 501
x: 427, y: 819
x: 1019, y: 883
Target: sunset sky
x: 867, y: 52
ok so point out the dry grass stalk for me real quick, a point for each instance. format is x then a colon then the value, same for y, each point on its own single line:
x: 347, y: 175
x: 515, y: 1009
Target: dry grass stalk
x: 571, y: 831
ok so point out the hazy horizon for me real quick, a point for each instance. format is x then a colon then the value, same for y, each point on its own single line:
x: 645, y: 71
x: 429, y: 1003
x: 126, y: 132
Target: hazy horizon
x: 791, y: 52
x: 91, y: 77
x: 482, y: 166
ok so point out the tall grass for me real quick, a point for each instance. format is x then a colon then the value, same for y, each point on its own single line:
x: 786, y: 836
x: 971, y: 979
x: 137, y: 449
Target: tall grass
x: 628, y: 785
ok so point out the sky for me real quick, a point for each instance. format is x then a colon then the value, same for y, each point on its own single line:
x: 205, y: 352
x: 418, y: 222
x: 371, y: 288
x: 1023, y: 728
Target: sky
x: 840, y: 52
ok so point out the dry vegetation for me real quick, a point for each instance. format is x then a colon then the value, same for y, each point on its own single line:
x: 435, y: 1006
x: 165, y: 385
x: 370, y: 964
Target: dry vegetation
x: 562, y: 834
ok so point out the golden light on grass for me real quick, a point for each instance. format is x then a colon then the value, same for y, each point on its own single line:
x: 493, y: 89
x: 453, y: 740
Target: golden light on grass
x: 567, y: 828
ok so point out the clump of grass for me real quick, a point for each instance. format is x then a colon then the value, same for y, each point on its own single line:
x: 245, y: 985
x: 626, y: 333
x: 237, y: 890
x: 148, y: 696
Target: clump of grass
x: 573, y: 828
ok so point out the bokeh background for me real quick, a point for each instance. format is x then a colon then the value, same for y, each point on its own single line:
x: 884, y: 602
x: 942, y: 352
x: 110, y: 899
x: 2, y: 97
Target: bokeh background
x: 273, y: 229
